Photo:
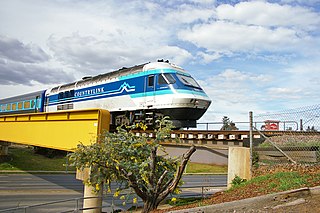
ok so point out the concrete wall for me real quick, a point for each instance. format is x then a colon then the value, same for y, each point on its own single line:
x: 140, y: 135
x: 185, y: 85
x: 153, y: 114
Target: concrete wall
x: 202, y: 155
x: 238, y: 163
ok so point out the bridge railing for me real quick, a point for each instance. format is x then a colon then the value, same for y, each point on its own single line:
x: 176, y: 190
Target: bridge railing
x: 283, y: 125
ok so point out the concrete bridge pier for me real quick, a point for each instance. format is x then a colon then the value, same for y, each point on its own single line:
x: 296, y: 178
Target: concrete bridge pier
x: 92, y: 202
x: 238, y: 164
x: 4, y: 147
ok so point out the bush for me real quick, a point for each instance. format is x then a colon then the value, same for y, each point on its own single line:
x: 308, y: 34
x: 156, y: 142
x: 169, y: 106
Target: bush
x: 237, y: 181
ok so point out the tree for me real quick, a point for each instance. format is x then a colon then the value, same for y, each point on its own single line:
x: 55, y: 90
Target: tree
x: 228, y: 125
x: 132, y: 161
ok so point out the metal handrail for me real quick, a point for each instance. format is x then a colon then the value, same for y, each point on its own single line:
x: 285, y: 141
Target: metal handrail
x: 79, y: 208
x: 49, y: 203
x: 284, y: 123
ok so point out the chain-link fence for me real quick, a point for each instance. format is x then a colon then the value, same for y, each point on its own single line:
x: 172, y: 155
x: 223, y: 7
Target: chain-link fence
x: 297, y: 143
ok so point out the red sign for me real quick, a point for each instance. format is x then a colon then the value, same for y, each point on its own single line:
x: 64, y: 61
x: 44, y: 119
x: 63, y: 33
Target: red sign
x: 271, y: 125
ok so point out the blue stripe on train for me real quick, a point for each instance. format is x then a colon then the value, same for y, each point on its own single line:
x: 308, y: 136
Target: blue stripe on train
x: 109, y: 89
x: 165, y: 92
x: 96, y: 92
x: 136, y: 95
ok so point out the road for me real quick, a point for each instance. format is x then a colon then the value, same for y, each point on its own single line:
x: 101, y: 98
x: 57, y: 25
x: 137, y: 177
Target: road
x: 32, y: 189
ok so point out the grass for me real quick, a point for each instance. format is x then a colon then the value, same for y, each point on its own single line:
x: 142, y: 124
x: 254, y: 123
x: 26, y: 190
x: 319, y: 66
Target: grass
x: 281, y: 181
x: 184, y: 201
x: 22, y: 158
x: 206, y: 168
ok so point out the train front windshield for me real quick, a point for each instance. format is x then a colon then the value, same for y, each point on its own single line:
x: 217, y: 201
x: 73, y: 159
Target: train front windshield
x: 188, y: 81
x: 166, y: 78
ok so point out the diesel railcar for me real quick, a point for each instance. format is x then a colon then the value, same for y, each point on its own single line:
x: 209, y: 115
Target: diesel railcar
x: 141, y: 93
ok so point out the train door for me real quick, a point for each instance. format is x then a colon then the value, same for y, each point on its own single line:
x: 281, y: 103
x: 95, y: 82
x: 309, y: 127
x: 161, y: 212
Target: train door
x: 37, y: 104
x: 149, y: 91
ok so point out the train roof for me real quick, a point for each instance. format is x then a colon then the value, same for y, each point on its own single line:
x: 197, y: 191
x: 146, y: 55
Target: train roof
x: 117, y: 73
x: 26, y: 96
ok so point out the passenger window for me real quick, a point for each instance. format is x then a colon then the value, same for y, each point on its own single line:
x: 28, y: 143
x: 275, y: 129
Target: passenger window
x: 66, y: 94
x: 150, y: 80
x: 14, y: 106
x: 26, y: 104
x: 20, y: 105
x: 60, y: 96
x: 8, y: 107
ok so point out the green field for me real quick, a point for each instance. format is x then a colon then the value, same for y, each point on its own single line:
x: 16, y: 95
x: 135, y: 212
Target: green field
x: 23, y: 158
x: 206, y: 168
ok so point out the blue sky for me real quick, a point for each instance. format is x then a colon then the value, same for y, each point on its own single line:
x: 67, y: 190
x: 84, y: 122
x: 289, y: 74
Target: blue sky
x: 259, y: 56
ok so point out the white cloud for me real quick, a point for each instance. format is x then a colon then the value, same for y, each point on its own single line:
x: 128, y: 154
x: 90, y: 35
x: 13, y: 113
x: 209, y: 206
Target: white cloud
x: 90, y: 54
x: 13, y: 73
x: 255, y: 28
x: 234, y: 93
x: 208, y: 57
x: 7, y: 91
x: 15, y: 50
x: 204, y: 2
x: 269, y: 14
x: 302, y: 2
x: 302, y: 77
x: 228, y: 37
x: 235, y: 87
x: 27, y: 64
x: 287, y: 93
x: 189, y: 14
x: 235, y: 75
x: 282, y: 91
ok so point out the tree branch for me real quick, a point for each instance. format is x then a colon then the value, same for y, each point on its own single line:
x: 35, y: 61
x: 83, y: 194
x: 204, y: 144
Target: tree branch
x: 134, y: 185
x: 153, y: 164
x: 175, y: 181
x: 160, y: 181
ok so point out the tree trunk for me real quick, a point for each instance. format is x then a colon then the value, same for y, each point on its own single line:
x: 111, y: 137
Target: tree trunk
x: 153, y: 200
x: 149, y: 205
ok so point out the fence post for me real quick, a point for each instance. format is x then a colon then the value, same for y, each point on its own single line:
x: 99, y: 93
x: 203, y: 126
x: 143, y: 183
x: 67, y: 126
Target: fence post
x: 251, y: 140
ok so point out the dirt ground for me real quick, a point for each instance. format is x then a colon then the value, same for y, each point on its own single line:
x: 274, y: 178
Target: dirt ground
x: 299, y: 201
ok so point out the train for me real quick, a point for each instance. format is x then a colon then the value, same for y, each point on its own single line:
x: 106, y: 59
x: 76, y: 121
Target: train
x: 141, y: 93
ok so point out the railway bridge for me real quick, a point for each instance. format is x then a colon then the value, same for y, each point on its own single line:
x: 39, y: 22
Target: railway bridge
x: 214, y: 138
x: 64, y: 130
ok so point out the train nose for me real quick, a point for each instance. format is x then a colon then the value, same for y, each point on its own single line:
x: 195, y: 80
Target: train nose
x: 202, y: 104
